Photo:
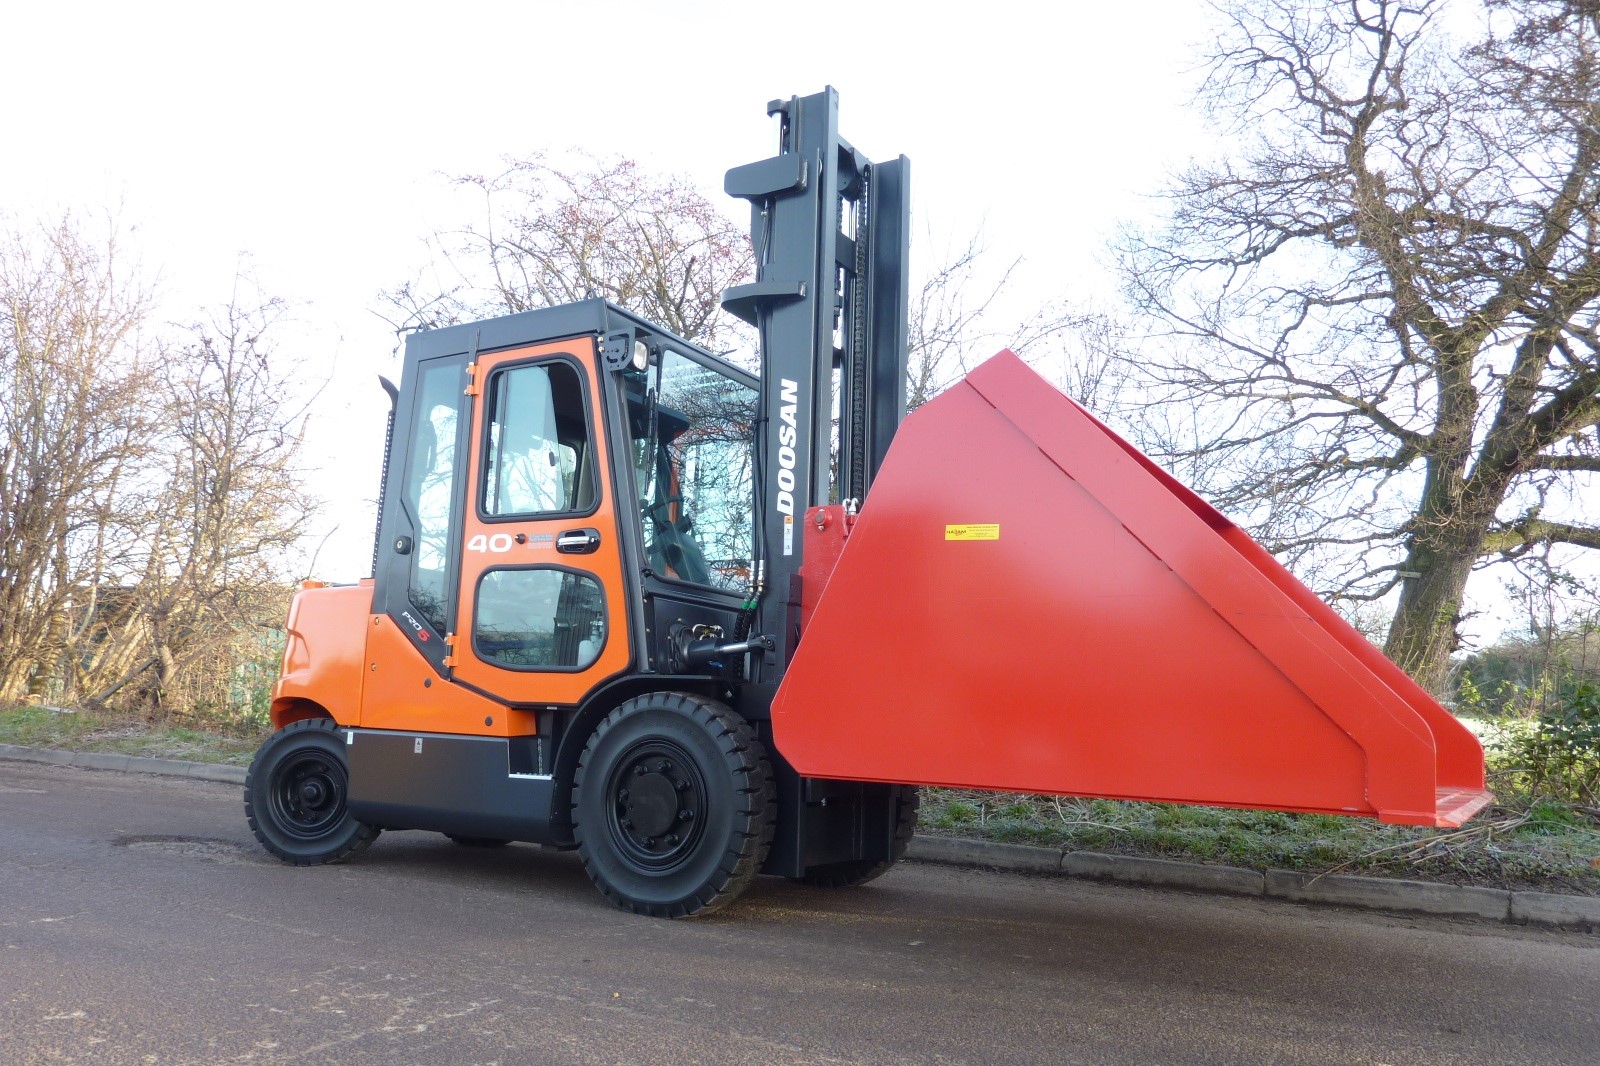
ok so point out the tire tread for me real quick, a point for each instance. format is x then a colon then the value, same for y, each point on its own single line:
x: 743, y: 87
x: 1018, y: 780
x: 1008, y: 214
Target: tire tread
x: 364, y: 835
x: 754, y: 821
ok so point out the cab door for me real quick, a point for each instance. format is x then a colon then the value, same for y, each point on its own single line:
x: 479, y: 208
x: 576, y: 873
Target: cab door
x: 541, y: 613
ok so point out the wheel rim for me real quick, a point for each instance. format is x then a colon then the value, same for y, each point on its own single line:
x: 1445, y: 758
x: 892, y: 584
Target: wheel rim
x: 655, y: 805
x: 308, y: 794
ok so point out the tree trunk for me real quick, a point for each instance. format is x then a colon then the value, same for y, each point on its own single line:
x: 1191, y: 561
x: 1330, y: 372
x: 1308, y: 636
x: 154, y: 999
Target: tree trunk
x: 49, y: 655
x: 14, y: 680
x: 1423, y: 633
x: 165, y: 665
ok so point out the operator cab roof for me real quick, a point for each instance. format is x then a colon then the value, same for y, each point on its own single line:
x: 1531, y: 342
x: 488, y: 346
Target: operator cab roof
x: 599, y: 318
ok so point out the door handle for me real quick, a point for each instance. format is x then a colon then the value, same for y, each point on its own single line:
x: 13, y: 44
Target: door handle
x: 577, y: 541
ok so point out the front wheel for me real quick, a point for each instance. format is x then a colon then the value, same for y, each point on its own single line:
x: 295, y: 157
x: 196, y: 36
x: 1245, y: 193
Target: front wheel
x: 673, y: 805
x: 296, y: 796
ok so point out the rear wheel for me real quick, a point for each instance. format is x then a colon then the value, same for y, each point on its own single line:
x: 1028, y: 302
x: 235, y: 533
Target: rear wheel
x: 859, y: 871
x: 296, y: 796
x: 673, y: 805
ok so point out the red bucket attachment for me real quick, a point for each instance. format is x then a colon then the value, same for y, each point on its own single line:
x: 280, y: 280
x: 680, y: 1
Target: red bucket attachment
x: 1027, y: 603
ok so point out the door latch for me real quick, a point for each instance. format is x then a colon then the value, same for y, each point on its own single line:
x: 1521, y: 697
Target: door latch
x: 577, y: 541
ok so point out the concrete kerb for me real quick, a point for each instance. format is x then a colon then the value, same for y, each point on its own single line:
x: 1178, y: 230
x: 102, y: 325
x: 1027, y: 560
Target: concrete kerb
x: 956, y: 851
x: 1163, y: 873
x: 1368, y: 893
x: 1379, y: 893
x: 1371, y: 893
x: 1549, y: 908
x: 127, y: 764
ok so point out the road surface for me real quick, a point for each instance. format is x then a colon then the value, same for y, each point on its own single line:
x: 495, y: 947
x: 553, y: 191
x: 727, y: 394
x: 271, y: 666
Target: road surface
x: 141, y: 924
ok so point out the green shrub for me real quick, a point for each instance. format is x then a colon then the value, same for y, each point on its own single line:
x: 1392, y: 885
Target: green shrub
x: 1554, y: 754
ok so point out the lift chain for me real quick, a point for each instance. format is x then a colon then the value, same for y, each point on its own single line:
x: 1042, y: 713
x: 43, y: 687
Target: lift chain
x: 857, y: 475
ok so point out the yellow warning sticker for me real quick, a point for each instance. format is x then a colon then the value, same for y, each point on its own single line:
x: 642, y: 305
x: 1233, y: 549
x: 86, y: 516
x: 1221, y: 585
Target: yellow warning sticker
x: 971, y: 531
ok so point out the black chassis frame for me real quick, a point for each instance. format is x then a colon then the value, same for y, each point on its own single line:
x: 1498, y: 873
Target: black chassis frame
x: 519, y: 788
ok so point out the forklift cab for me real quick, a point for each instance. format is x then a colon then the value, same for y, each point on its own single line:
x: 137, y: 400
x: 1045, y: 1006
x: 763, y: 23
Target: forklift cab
x: 576, y: 487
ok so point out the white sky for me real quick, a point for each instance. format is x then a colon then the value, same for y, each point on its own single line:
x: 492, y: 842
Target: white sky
x: 313, y: 137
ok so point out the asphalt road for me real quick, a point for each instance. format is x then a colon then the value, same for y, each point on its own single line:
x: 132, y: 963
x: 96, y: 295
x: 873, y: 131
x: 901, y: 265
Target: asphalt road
x: 139, y: 923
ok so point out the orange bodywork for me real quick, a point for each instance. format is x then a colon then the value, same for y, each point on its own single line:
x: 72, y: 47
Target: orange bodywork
x: 1027, y: 603
x: 362, y: 669
x: 403, y: 692
x: 324, y: 654
x: 604, y: 564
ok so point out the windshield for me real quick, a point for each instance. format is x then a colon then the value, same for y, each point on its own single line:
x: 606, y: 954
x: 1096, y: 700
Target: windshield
x: 692, y: 444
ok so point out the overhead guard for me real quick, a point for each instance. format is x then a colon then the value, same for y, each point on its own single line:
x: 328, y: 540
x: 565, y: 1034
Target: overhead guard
x: 1028, y: 603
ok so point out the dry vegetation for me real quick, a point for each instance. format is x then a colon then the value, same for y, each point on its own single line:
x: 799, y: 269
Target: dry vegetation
x: 149, y: 493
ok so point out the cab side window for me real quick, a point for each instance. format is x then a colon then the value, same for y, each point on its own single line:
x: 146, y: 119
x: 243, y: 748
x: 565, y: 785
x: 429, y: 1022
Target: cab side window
x: 539, y: 618
x: 539, y: 459
x: 429, y: 492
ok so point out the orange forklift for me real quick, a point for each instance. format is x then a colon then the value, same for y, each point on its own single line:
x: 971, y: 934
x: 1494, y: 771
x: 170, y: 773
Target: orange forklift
x: 702, y: 624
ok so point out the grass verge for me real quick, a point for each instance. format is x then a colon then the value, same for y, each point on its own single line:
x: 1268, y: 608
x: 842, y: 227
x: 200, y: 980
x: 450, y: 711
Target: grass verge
x: 92, y: 730
x: 1546, y: 847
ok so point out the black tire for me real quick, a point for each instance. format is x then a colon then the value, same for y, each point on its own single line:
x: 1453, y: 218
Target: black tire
x: 860, y: 871
x: 478, y: 842
x: 296, y: 792
x: 673, y: 805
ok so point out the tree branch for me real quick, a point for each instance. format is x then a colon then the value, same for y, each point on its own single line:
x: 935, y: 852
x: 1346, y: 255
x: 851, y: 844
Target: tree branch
x: 1517, y: 538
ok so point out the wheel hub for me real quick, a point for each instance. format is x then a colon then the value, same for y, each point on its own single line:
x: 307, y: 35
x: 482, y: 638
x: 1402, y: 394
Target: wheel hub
x: 658, y: 802
x: 652, y: 804
x: 308, y: 794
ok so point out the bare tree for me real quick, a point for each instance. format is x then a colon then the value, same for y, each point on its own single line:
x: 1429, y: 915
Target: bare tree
x: 954, y: 323
x: 74, y: 424
x: 651, y: 243
x: 148, y: 491
x: 229, y: 504
x: 1387, y: 302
